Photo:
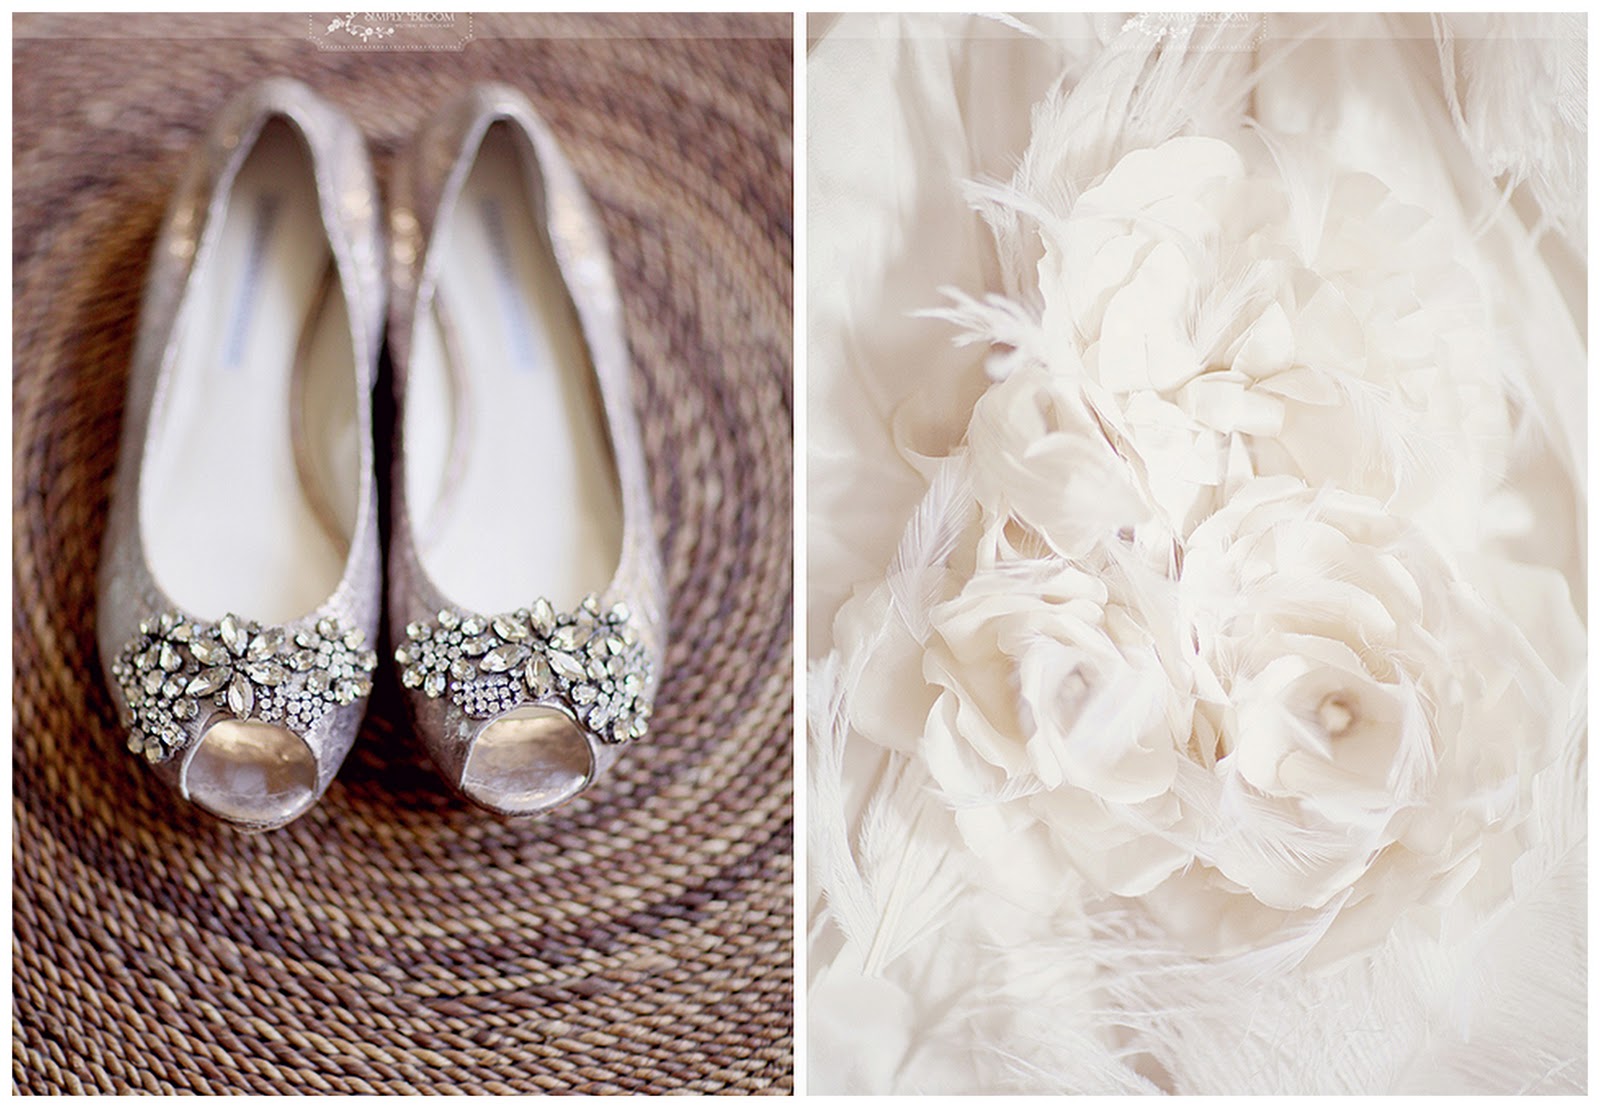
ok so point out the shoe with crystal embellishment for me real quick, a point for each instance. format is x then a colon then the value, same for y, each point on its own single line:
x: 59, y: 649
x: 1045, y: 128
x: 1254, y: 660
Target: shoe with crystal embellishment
x: 525, y: 587
x: 240, y: 582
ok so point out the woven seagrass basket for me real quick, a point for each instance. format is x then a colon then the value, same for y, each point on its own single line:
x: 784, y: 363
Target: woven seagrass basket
x: 397, y: 939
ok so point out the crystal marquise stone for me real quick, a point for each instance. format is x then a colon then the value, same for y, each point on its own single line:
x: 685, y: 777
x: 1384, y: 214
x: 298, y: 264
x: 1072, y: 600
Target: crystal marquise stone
x: 590, y: 661
x: 178, y: 670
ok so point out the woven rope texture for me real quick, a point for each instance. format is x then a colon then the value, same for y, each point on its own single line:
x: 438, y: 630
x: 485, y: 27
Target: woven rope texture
x: 396, y: 939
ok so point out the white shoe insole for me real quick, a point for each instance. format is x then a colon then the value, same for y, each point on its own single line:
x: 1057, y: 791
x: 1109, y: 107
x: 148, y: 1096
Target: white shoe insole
x: 508, y: 470
x: 230, y: 522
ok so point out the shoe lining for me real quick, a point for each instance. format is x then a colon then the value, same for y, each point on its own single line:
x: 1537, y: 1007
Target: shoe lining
x: 228, y: 521
x: 509, y: 473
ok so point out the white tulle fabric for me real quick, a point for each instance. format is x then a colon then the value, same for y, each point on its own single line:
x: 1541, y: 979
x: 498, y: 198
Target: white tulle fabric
x: 1196, y: 485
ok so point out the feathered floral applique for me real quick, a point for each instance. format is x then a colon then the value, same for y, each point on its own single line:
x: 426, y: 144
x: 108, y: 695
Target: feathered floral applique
x: 1230, y: 708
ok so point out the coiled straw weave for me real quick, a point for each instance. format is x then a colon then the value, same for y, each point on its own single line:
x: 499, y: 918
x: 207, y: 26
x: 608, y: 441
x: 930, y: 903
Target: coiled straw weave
x: 397, y: 939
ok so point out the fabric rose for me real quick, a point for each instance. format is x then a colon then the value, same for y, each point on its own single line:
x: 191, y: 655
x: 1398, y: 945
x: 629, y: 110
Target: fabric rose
x: 1041, y: 461
x: 1222, y: 632
x: 1055, y: 708
x: 1239, y: 310
x: 1325, y: 726
x: 1366, y: 722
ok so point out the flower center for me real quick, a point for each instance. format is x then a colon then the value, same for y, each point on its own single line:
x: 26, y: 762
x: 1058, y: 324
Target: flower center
x: 1335, y: 714
x: 1071, y: 692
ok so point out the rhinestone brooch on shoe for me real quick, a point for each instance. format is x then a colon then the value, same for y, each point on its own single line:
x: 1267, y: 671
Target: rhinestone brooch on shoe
x: 589, y: 660
x: 178, y: 669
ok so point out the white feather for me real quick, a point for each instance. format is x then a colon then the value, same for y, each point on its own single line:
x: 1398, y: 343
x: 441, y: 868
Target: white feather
x: 997, y: 321
x: 1515, y: 85
x: 887, y: 889
x: 946, y: 509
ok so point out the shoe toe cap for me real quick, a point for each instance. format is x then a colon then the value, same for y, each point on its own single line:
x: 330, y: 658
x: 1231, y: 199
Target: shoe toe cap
x: 251, y: 773
x: 527, y: 761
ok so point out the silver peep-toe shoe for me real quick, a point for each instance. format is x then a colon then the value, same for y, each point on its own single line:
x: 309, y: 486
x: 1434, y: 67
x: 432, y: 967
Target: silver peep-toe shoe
x: 525, y: 586
x: 240, y: 581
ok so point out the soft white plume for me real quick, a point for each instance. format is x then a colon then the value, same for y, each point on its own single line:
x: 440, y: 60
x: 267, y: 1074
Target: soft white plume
x: 1517, y: 90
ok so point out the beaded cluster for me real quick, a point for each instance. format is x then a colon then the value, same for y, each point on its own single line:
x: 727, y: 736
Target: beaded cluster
x: 589, y: 660
x: 178, y: 670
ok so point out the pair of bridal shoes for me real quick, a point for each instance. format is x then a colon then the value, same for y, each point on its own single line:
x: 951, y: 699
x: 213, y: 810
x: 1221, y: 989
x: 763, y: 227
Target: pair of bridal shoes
x: 242, y: 581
